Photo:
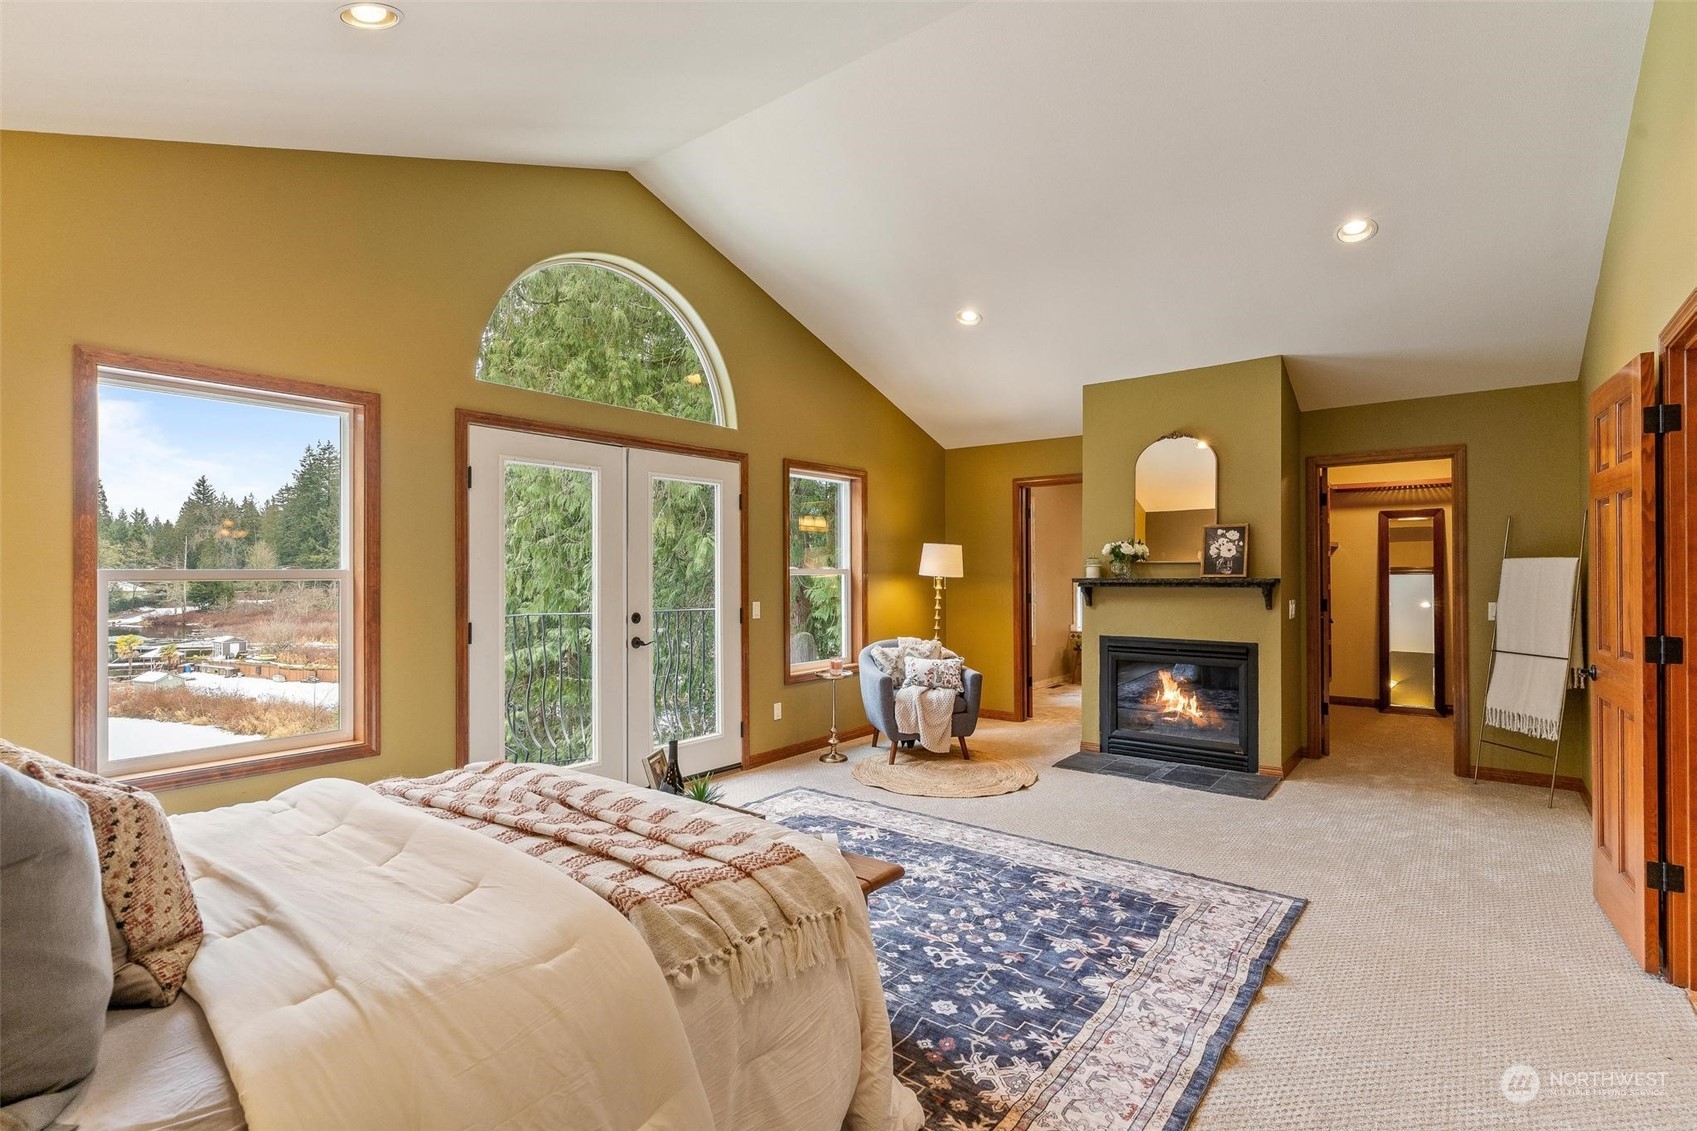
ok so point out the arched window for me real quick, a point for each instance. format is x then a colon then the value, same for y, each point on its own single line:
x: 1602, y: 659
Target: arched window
x: 603, y: 329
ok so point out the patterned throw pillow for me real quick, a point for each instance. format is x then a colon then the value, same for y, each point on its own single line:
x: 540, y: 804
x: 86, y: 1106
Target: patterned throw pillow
x: 946, y: 675
x: 151, y: 917
x: 889, y: 662
x: 893, y: 661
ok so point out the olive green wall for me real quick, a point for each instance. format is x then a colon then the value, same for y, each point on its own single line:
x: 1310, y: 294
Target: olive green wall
x: 379, y: 273
x: 1650, y: 259
x: 1523, y: 460
x: 1246, y: 412
x: 978, y: 611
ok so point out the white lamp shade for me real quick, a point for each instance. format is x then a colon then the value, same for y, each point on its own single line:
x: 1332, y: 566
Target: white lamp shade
x: 940, y: 559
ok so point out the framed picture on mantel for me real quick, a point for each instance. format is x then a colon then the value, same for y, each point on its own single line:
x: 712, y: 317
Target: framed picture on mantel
x: 1225, y: 551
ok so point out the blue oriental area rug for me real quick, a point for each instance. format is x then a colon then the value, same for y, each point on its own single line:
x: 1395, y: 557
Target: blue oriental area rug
x: 1034, y: 987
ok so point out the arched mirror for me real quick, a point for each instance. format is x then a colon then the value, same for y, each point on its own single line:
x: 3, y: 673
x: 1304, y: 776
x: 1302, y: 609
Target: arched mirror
x: 1175, y: 497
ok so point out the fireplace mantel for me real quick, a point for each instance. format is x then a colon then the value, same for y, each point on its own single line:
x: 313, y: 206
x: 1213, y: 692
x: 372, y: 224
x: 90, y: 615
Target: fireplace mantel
x: 1090, y: 584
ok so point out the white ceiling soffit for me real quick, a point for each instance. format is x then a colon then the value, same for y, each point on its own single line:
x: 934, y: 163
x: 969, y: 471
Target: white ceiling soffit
x: 601, y: 85
x: 1126, y: 189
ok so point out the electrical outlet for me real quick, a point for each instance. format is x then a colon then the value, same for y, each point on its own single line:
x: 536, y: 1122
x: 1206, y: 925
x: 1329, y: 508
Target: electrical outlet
x: 777, y: 711
x: 1491, y: 611
x: 754, y: 610
x: 1293, y: 609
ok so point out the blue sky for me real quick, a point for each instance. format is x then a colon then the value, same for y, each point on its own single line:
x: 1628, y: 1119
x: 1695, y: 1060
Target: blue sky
x: 154, y: 445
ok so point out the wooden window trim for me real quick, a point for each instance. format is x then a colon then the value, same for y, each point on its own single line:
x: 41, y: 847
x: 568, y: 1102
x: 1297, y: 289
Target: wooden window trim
x: 856, y: 477
x: 365, y: 541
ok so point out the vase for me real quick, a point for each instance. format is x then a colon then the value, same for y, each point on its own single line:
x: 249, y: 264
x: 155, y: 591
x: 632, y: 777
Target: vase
x: 1120, y: 568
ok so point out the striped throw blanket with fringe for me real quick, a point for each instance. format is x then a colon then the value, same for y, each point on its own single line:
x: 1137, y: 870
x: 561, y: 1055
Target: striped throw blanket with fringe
x: 709, y: 896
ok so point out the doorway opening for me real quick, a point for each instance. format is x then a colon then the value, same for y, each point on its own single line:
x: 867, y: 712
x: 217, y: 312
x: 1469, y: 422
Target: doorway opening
x: 1387, y: 590
x: 1048, y: 606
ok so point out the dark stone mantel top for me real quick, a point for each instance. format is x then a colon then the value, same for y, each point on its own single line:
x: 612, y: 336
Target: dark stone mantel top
x: 1090, y: 584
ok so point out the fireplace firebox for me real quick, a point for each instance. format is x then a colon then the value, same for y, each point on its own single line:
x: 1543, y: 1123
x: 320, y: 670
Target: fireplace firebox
x: 1180, y: 701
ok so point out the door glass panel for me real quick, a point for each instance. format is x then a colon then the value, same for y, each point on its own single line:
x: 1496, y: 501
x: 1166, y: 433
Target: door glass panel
x: 685, y: 525
x: 549, y: 630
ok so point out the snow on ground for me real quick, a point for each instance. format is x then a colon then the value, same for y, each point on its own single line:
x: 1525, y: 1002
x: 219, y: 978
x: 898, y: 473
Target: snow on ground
x: 134, y: 738
x: 319, y: 694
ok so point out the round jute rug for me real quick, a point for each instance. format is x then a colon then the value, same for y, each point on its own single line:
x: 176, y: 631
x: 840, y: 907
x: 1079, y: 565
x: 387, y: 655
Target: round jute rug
x: 921, y: 773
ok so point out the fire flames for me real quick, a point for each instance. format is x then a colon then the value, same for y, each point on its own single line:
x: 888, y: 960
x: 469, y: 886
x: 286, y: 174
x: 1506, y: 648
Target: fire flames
x: 1178, y: 704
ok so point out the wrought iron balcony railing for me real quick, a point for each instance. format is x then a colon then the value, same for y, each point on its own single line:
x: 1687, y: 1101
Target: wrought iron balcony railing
x: 550, y: 672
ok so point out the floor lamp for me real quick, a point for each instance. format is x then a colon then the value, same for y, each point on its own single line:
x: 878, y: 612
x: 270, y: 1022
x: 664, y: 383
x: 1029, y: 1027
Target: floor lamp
x: 938, y: 560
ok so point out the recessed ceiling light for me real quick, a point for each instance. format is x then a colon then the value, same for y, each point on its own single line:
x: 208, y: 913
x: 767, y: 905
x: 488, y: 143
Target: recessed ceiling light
x: 1354, y: 231
x: 1203, y: 444
x: 370, y: 17
x: 968, y: 317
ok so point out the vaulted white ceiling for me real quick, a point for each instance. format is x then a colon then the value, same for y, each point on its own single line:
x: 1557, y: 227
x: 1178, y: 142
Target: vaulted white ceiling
x: 1121, y: 189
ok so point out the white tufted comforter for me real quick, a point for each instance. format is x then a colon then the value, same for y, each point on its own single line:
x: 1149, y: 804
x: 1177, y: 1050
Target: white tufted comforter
x: 368, y: 966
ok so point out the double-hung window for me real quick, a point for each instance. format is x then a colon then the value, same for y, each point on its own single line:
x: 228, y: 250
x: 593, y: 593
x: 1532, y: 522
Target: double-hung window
x: 225, y: 571
x: 826, y: 523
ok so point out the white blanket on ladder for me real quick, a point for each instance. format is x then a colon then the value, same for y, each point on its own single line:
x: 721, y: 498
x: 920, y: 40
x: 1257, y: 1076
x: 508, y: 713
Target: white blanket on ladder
x: 1534, y: 637
x: 928, y: 712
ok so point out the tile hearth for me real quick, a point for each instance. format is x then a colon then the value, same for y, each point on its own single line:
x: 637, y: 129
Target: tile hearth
x: 1231, y: 783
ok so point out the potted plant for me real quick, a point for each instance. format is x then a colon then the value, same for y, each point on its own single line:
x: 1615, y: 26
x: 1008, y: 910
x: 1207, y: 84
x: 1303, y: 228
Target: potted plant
x: 702, y: 789
x: 1122, y: 554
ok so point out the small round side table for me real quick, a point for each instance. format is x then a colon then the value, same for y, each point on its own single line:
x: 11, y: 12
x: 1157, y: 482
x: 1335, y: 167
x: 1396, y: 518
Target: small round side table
x: 834, y: 678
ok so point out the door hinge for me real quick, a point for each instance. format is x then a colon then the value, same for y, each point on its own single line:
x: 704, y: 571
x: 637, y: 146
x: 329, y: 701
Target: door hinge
x: 1660, y: 419
x: 739, y: 501
x: 742, y: 730
x: 468, y: 633
x: 1662, y: 876
x: 468, y: 477
x: 1325, y: 708
x: 739, y: 616
x: 1664, y: 650
x: 1325, y: 496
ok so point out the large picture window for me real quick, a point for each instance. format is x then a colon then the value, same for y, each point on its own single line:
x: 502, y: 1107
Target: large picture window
x: 603, y: 329
x: 225, y: 571
x: 825, y: 517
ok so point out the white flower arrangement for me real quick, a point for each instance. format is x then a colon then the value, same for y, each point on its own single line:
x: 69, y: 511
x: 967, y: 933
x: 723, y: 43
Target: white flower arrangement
x: 1123, y: 551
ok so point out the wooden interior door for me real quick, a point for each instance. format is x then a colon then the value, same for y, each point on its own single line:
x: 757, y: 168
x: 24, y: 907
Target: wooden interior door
x: 1324, y: 536
x: 1679, y: 578
x: 1622, y: 587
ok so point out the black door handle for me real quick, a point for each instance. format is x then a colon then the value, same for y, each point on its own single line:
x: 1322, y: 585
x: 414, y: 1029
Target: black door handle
x: 1591, y: 673
x: 639, y: 642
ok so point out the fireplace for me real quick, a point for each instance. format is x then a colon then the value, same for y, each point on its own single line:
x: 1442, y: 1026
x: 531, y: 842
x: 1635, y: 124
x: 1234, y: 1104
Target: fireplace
x: 1180, y: 701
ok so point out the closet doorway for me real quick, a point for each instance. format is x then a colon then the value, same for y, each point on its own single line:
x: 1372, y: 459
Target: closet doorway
x: 1048, y: 520
x: 1387, y: 589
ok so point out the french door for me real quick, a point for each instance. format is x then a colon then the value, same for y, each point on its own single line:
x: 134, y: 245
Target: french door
x: 604, y: 593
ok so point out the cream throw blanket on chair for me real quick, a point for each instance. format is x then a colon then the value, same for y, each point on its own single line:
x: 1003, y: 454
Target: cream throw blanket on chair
x: 928, y: 712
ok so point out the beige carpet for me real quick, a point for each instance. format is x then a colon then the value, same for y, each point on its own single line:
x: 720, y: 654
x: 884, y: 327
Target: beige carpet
x: 1451, y: 932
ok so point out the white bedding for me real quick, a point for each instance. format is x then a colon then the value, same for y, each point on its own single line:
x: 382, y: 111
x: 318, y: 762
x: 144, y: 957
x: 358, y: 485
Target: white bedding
x: 366, y: 966
x: 794, y: 1057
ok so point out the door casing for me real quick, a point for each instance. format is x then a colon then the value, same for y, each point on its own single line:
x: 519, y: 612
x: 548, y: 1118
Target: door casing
x: 464, y: 420
x: 1022, y: 588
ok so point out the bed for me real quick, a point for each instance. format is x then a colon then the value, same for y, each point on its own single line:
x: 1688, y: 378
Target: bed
x: 367, y: 965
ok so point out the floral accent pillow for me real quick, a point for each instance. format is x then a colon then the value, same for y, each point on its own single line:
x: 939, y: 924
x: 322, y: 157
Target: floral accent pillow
x: 893, y: 661
x: 944, y: 675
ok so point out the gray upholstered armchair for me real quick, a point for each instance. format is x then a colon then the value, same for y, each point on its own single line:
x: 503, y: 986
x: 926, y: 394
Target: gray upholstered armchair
x: 878, y: 694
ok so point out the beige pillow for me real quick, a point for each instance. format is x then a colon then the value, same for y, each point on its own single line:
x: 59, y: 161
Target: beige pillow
x: 152, y: 922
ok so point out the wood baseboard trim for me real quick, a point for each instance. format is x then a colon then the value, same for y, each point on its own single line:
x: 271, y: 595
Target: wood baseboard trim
x: 1352, y: 701
x: 1533, y: 778
x: 1091, y: 747
x: 1283, y: 770
x: 999, y: 716
x: 779, y: 753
